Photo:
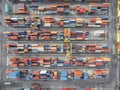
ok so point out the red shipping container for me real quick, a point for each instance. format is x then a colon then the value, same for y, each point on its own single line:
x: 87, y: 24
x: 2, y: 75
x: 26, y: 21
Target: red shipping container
x: 88, y: 88
x: 64, y: 88
x: 13, y: 37
x: 99, y: 63
x: 9, y: 71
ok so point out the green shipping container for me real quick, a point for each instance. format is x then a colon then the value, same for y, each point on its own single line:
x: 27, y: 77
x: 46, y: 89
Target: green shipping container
x: 7, y: 8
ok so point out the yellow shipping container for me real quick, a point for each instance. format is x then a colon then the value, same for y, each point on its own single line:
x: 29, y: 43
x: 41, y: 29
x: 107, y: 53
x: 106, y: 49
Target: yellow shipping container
x: 53, y: 32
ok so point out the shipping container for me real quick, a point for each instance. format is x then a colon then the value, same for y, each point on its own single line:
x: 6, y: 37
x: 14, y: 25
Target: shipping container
x: 7, y: 8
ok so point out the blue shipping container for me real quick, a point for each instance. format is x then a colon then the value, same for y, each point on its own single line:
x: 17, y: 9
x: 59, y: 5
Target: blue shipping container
x: 63, y: 78
x: 85, y: 76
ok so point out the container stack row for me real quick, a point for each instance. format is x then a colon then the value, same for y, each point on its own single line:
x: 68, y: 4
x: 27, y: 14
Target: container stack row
x: 57, y: 62
x: 61, y: 9
x: 16, y: 9
x: 66, y: 9
x: 48, y: 35
x: 49, y: 21
x: 57, y: 48
x: 62, y: 75
x: 118, y: 28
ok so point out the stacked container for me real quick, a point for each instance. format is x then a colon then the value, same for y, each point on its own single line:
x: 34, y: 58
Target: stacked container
x: 77, y: 74
x: 66, y: 9
x: 57, y: 62
x: 48, y: 35
x: 64, y: 75
x: 20, y: 9
x: 56, y: 48
x: 118, y: 28
x: 49, y: 21
x: 21, y: 22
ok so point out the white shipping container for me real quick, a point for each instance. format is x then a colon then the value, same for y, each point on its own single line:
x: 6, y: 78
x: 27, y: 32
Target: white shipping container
x: 26, y: 88
x: 34, y: 45
x: 43, y: 71
x: 66, y: 21
x: 99, y: 32
x: 8, y: 83
x: 14, y: 19
x: 92, y: 65
x: 99, y: 22
x: 98, y: 51
x: 47, y: 65
x: 61, y: 48
x: 47, y: 24
x: 53, y: 48
x: 20, y: 45
x: 99, y: 60
x: 60, y: 64
x: 99, y: 46
x: 41, y: 49
x: 94, y: 25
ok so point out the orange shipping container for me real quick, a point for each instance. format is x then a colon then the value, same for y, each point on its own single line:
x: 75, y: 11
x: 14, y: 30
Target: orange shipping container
x: 67, y: 32
x: 105, y: 4
x: 66, y: 5
x: 118, y: 45
x: 98, y: 72
x: 36, y: 73
x: 53, y: 6
x: 14, y: 65
x: 41, y: 9
x: 99, y: 63
x: 34, y: 64
x: 77, y: 73
x: 13, y: 59
x: 13, y: 37
x: 21, y: 64
x: 14, y: 62
x: 105, y: 71
x: 55, y: 77
x: 9, y: 71
x: 79, y: 63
